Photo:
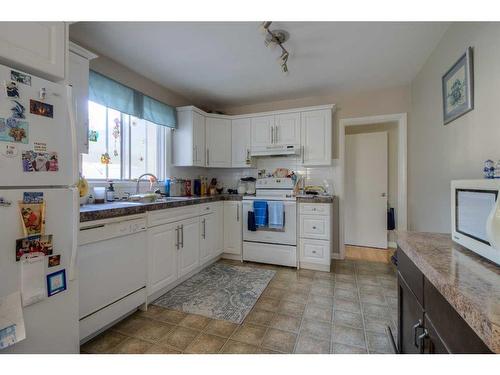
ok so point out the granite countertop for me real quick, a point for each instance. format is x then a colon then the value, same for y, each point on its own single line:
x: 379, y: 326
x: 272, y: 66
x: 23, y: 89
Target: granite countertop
x: 307, y: 198
x: 471, y: 284
x: 91, y: 212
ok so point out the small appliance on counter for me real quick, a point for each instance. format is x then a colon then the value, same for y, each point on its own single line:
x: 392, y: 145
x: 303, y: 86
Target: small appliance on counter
x: 249, y: 184
x: 475, y: 216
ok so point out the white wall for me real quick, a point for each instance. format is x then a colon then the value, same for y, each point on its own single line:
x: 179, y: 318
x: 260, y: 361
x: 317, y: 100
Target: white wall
x: 438, y: 154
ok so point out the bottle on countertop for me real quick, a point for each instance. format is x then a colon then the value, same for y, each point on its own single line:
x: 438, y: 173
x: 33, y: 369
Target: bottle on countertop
x: 110, y: 192
x: 167, y: 187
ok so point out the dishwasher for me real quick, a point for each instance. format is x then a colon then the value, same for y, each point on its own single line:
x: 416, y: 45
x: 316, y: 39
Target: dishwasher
x: 111, y: 271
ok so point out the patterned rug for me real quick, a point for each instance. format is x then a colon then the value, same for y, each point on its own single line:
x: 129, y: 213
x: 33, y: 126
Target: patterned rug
x: 221, y: 291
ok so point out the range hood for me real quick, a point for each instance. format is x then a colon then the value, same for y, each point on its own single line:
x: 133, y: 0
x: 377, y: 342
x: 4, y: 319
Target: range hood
x: 275, y: 150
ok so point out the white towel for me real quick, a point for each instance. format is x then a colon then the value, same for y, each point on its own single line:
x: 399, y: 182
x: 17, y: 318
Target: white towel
x: 276, y: 214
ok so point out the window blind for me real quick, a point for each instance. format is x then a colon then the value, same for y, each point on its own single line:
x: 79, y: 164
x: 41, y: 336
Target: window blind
x: 113, y: 94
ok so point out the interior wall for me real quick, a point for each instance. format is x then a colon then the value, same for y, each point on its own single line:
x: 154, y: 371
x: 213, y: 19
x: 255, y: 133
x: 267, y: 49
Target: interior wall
x: 437, y: 153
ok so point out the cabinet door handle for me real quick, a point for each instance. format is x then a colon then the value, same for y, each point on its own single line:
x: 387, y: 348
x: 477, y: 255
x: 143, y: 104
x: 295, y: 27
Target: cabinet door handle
x: 272, y: 134
x: 276, y: 134
x: 182, y: 236
x: 303, y: 151
x: 237, y: 213
x: 208, y: 156
x: 421, y: 340
x: 418, y: 325
x: 248, y: 156
x: 177, y: 238
x: 203, y: 235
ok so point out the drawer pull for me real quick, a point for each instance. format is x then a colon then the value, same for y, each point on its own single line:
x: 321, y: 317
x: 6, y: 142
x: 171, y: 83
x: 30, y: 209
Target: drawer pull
x: 314, y: 251
x: 314, y: 227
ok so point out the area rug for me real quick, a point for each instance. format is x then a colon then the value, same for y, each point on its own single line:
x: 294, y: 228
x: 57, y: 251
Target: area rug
x: 220, y: 291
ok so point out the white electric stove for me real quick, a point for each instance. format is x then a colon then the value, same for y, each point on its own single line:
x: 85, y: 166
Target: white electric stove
x: 268, y: 245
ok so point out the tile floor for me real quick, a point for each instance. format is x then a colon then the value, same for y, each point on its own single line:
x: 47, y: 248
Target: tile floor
x: 346, y: 310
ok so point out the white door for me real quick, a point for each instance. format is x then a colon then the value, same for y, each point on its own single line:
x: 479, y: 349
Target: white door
x: 316, y: 137
x: 287, y: 129
x: 365, y: 211
x: 232, y: 227
x: 241, y: 133
x: 189, y: 249
x: 198, y: 140
x: 261, y: 131
x: 162, y: 256
x: 55, y: 162
x: 51, y: 324
x: 218, y: 133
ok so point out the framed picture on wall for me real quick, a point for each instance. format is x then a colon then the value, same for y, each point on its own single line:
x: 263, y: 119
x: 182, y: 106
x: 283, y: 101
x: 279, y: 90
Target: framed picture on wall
x: 458, y: 88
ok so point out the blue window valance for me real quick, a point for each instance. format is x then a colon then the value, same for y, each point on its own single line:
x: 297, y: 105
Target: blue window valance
x: 113, y: 94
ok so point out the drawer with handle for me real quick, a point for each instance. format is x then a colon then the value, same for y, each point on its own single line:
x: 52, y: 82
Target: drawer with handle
x: 314, y: 251
x: 315, y: 208
x: 208, y: 208
x: 171, y: 215
x: 316, y: 227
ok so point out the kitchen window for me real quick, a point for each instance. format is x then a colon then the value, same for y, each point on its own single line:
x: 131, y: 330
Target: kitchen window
x: 121, y: 146
x: 127, y: 132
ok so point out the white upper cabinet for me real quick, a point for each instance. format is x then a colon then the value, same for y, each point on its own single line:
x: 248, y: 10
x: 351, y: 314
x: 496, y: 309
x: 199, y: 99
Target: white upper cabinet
x: 316, y: 137
x: 188, y: 140
x: 287, y: 129
x: 38, y: 48
x: 198, y: 139
x: 218, y: 142
x: 241, y: 130
x: 262, y: 131
x: 78, y: 78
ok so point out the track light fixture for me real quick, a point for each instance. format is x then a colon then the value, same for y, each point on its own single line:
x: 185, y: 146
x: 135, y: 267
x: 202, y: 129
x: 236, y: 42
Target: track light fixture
x: 276, y: 38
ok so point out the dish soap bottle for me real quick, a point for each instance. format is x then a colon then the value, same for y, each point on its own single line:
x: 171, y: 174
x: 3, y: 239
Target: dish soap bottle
x: 110, y: 193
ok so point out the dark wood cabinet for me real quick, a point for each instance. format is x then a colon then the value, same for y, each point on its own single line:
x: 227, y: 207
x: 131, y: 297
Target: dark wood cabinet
x: 410, y: 316
x: 427, y: 323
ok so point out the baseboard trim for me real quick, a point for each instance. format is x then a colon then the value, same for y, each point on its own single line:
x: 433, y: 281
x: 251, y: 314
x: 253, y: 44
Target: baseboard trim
x: 315, y: 267
x: 231, y: 256
x: 392, y: 245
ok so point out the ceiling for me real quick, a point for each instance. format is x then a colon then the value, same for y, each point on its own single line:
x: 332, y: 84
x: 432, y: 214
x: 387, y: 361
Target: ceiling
x: 223, y: 64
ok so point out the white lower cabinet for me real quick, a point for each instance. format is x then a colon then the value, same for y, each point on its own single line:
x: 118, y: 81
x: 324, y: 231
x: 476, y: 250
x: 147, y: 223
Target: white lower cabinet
x: 208, y: 237
x: 233, y: 227
x: 315, y: 242
x: 162, y: 256
x: 188, y: 254
x: 179, y: 248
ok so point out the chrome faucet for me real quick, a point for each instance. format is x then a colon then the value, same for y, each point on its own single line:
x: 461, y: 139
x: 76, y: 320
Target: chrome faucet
x: 155, y: 179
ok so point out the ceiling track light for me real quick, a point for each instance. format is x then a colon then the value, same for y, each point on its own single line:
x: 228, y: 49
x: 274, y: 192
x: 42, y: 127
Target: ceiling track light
x: 274, y: 38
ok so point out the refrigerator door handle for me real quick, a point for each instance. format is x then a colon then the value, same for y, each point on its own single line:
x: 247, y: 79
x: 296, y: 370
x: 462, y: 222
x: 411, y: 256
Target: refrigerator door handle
x: 72, y: 126
x: 74, y: 246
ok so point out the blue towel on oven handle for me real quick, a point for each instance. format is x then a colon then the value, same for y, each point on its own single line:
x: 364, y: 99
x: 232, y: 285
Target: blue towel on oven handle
x: 276, y: 214
x: 260, y: 213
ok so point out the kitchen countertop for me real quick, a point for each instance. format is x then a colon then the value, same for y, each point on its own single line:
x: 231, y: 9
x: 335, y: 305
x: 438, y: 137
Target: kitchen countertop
x: 471, y: 284
x: 91, y: 212
x: 315, y: 198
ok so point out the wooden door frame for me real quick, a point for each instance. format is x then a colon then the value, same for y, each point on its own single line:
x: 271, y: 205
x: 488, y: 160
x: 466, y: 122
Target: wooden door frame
x: 402, y: 214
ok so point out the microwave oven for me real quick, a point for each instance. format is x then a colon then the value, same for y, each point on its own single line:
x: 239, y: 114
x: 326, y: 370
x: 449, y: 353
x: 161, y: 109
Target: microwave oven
x: 475, y: 216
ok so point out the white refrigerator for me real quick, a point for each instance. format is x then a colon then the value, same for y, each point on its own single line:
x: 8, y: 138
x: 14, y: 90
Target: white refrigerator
x: 48, y: 132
